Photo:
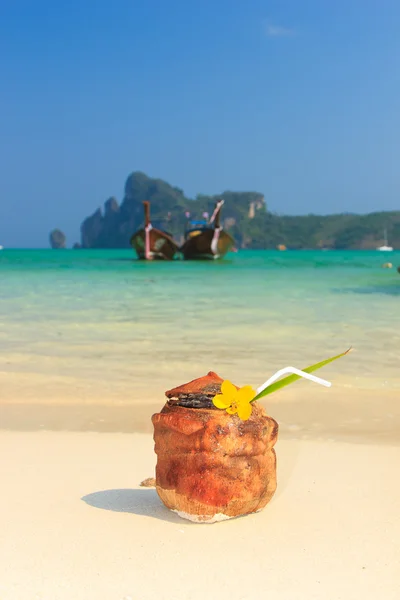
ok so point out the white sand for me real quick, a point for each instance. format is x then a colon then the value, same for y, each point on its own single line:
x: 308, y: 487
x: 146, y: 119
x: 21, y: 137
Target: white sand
x: 332, y: 532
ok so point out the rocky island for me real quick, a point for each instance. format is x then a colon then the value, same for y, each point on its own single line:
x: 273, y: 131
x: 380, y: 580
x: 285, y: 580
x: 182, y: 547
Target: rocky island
x: 170, y: 210
x: 245, y: 217
x: 57, y: 239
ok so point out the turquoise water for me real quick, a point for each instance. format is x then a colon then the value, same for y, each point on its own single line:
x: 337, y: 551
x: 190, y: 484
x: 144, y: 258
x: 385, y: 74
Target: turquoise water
x: 99, y: 325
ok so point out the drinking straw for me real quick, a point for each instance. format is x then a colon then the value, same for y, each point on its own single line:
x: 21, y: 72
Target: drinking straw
x: 294, y: 371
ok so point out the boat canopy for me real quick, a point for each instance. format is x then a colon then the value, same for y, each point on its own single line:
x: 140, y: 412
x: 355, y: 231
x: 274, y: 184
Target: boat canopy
x: 198, y: 224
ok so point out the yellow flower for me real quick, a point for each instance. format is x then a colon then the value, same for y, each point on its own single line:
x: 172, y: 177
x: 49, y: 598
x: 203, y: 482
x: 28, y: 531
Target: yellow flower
x: 235, y: 401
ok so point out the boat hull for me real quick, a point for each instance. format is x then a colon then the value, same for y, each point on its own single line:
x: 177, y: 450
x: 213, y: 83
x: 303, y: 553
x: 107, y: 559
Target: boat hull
x: 208, y: 244
x: 161, y: 245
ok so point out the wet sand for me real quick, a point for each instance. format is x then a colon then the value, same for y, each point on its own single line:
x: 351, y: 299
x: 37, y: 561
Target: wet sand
x: 303, y: 412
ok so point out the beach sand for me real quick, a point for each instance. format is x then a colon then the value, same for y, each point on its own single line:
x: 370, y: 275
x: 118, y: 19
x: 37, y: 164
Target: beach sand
x: 75, y: 525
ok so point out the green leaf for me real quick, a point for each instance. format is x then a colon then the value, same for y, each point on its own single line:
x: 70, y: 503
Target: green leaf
x: 291, y: 378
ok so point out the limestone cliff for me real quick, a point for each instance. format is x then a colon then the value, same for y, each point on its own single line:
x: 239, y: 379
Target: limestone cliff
x: 244, y: 215
x: 113, y: 226
x: 57, y: 239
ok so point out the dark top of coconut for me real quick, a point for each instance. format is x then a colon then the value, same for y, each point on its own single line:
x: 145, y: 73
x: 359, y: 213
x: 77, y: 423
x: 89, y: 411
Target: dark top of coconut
x: 197, y: 393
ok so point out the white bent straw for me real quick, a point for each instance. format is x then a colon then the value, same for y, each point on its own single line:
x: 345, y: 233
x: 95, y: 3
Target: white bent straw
x: 294, y: 371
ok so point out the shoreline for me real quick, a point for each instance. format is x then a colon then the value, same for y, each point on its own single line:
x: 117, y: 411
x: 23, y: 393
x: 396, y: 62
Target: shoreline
x: 361, y: 418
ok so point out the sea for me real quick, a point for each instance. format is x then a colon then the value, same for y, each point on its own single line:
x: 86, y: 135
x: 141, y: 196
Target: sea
x: 100, y: 327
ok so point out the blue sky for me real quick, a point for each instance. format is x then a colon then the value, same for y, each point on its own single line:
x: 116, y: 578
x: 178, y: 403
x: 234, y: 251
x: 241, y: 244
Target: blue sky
x: 295, y: 99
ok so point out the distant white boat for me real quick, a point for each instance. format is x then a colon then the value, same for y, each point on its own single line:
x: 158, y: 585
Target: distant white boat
x: 385, y: 247
x: 1, y: 247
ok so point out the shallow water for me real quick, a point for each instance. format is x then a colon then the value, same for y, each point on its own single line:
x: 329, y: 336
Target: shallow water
x: 100, y: 327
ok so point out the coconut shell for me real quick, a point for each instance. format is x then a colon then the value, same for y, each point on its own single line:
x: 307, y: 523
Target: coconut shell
x: 198, y: 393
x: 212, y: 465
x: 209, y: 384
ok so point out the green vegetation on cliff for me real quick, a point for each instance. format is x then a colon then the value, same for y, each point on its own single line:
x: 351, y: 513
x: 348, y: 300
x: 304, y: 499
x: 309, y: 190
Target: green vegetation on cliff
x: 244, y: 215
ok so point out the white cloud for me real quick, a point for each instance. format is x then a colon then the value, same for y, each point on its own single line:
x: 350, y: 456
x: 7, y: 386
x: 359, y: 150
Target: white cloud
x: 272, y: 30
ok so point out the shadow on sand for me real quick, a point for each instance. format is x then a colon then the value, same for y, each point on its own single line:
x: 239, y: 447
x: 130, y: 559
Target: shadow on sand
x: 138, y: 502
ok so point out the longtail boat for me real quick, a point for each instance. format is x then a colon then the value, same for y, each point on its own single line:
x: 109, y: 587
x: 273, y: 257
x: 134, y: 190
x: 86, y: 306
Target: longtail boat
x: 151, y: 243
x: 204, y: 242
